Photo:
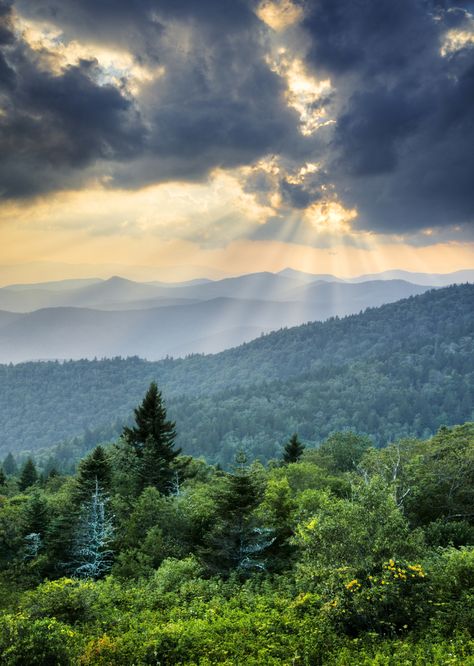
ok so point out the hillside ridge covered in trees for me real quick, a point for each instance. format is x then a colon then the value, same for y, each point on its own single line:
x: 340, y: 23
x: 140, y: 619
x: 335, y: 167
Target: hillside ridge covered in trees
x: 402, y: 369
x: 346, y: 554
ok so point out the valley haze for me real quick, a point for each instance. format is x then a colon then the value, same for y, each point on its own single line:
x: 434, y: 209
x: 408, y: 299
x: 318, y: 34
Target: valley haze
x: 93, y: 318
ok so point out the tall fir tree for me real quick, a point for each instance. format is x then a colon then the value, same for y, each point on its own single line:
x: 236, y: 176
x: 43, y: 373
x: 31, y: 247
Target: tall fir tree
x: 152, y: 441
x: 94, y: 467
x: 9, y: 465
x: 28, y: 475
x: 236, y: 542
x: 36, y: 516
x: 293, y: 450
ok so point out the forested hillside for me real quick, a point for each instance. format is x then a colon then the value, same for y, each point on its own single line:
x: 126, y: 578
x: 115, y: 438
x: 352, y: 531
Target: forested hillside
x: 342, y: 555
x: 402, y: 369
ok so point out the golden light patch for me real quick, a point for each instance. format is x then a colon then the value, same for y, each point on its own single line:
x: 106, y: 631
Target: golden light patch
x: 299, y: 176
x: 455, y: 40
x: 305, y: 93
x: 167, y: 210
x: 330, y: 217
x: 55, y: 55
x: 280, y: 15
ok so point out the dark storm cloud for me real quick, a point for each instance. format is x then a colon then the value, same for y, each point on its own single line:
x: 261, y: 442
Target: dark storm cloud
x: 217, y: 104
x: 402, y: 148
x: 220, y: 106
x: 53, y: 127
x: 138, y: 24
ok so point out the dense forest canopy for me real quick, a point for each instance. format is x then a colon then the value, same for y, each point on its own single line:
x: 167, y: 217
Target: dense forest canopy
x: 345, y: 554
x: 403, y: 369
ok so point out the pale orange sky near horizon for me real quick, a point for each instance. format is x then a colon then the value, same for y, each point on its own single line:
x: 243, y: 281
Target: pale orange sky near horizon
x: 139, y: 259
x: 148, y: 235
x: 223, y: 221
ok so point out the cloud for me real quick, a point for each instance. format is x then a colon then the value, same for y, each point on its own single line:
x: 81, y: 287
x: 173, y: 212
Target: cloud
x: 215, y: 104
x: 54, y: 127
x: 377, y: 95
x: 402, y: 146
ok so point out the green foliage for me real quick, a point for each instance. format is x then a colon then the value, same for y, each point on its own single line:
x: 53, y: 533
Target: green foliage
x: 27, y: 642
x: 442, y: 477
x: 36, y: 514
x: 342, y: 451
x: 293, y: 450
x: 69, y: 601
x: 355, y: 535
x: 152, y: 440
x: 452, y: 576
x: 9, y: 465
x: 329, y: 560
x: 28, y: 475
x: 400, y: 370
x: 236, y: 542
x: 94, y: 467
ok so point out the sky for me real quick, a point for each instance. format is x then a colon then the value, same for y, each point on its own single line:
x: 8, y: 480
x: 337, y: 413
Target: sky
x: 172, y: 139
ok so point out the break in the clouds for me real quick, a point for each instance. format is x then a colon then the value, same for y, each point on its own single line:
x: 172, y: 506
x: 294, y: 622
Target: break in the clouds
x: 336, y: 116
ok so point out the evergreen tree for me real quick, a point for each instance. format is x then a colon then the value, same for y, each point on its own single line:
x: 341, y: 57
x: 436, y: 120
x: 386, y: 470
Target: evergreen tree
x: 60, y: 540
x: 93, y: 556
x: 51, y: 464
x: 94, y: 467
x: 36, y: 514
x: 28, y: 476
x: 9, y: 465
x: 236, y: 543
x: 3, y: 478
x: 152, y: 440
x: 293, y: 450
x: 35, y: 523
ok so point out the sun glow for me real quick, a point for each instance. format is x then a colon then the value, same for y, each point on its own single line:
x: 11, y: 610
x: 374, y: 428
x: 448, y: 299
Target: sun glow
x: 305, y: 93
x: 455, y: 40
x: 280, y: 15
x: 330, y: 217
x: 55, y: 54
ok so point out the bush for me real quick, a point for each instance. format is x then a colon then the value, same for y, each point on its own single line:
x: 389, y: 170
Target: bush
x: 66, y: 600
x: 45, y: 641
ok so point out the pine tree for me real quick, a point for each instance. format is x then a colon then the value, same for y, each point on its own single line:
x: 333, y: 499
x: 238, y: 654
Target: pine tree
x: 92, y: 553
x: 152, y: 440
x: 60, y: 540
x: 9, y: 465
x: 236, y: 543
x: 28, y: 476
x: 3, y: 478
x: 94, y: 467
x: 36, y: 515
x: 293, y: 450
x: 51, y: 464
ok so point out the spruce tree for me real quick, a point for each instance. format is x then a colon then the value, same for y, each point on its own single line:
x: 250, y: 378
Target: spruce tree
x: 94, y: 467
x: 152, y: 440
x: 9, y: 465
x: 236, y: 543
x: 36, y: 515
x: 293, y: 450
x: 28, y: 476
x: 36, y: 519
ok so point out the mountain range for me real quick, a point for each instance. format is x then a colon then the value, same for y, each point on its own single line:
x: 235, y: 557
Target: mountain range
x: 88, y: 318
x: 399, y: 370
